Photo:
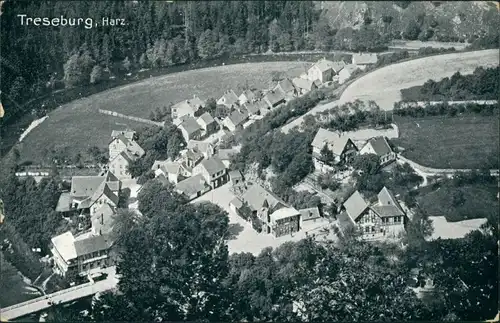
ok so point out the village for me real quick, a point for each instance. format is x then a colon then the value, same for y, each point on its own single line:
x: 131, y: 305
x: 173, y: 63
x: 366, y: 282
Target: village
x: 203, y: 172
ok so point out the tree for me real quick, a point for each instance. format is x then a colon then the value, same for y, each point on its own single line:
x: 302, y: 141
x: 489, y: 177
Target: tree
x: 155, y: 198
x: 73, y: 74
x: 327, y: 155
x: 367, y: 164
x: 412, y: 30
x: 126, y: 64
x: 96, y: 74
x: 178, y: 276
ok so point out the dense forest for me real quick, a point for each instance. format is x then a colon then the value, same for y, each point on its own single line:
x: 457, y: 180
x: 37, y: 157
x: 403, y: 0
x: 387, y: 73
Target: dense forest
x: 38, y: 60
x: 483, y: 84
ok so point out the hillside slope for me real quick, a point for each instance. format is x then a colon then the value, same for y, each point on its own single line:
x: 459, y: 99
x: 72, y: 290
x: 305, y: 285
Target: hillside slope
x: 435, y: 20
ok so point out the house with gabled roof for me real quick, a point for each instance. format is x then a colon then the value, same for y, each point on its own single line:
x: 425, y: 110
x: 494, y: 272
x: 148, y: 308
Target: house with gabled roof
x: 168, y: 169
x: 249, y: 96
x: 274, y: 98
x: 121, y: 142
x: 363, y: 60
x: 80, y: 255
x: 206, y: 148
x: 309, y: 215
x: 384, y: 218
x: 213, y: 171
x: 190, y: 129
x: 256, y: 107
x: 337, y: 66
x: 192, y: 187
x: 89, y: 192
x: 207, y: 124
x: 235, y: 120
x: 276, y: 216
x: 286, y: 86
x: 191, y: 107
x: 303, y: 85
x: 321, y: 71
x: 228, y: 99
x: 341, y: 147
x: 380, y: 147
x: 346, y: 73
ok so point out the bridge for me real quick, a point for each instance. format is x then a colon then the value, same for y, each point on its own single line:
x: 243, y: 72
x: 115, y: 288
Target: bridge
x: 64, y: 296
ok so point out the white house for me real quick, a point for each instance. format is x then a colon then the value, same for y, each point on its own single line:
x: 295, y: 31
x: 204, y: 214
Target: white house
x: 383, y: 219
x: 213, y: 171
x: 380, y: 147
x: 228, y: 99
x: 340, y: 145
x: 321, y: 71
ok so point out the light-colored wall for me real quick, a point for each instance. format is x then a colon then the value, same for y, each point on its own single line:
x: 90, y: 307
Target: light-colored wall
x: 119, y: 167
x: 115, y: 148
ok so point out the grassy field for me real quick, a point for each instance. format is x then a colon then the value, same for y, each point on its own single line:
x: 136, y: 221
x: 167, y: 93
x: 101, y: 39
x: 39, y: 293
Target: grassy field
x: 384, y: 85
x: 479, y: 201
x: 467, y: 141
x: 78, y: 125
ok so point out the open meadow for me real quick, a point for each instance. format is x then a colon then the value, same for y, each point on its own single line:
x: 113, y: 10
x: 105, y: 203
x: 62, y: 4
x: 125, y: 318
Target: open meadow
x: 470, y: 201
x: 383, y: 85
x: 462, y: 142
x: 78, y: 124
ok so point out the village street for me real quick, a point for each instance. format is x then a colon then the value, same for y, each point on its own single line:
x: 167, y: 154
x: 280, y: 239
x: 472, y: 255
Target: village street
x: 243, y: 237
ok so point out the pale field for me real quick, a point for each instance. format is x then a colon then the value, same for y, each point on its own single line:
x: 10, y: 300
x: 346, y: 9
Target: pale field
x: 383, y: 85
x: 454, y: 230
x: 78, y: 125
x: 246, y: 239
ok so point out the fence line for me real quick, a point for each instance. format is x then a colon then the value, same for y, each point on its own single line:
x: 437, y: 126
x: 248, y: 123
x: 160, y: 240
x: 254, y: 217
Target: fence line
x: 119, y: 115
x: 423, y: 104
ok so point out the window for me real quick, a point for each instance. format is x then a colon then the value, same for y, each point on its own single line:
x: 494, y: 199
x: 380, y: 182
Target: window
x: 384, y: 220
x: 373, y: 229
x: 397, y: 219
x: 367, y: 229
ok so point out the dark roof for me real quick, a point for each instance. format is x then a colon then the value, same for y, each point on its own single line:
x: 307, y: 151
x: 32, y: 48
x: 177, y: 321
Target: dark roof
x: 275, y: 97
x: 254, y: 107
x: 213, y: 165
x: 344, y: 221
x: 91, y: 244
x: 380, y: 146
x: 190, y: 125
x: 387, y: 210
x: 238, y: 117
